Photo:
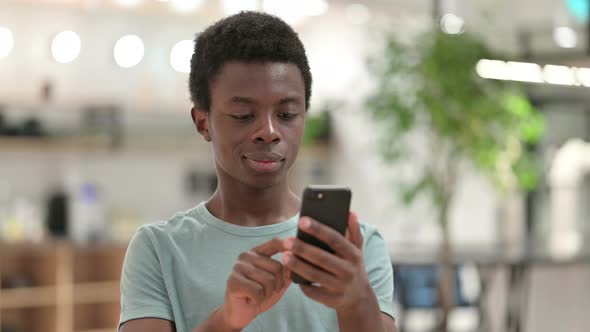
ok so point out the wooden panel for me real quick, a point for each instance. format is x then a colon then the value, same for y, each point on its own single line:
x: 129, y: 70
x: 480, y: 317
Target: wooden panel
x: 98, y: 263
x: 30, y: 320
x: 96, y: 316
x: 97, y: 292
x: 27, y: 297
x: 32, y: 265
x: 75, y: 288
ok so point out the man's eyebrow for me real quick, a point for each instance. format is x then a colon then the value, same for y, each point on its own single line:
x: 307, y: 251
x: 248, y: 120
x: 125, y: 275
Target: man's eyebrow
x: 250, y: 101
x: 242, y: 100
x: 296, y: 100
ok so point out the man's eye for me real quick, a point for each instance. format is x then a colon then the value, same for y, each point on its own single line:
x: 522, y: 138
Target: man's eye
x: 242, y: 116
x: 287, y: 116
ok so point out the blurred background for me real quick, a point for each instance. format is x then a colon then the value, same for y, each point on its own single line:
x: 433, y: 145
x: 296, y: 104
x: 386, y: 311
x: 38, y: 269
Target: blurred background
x: 462, y: 128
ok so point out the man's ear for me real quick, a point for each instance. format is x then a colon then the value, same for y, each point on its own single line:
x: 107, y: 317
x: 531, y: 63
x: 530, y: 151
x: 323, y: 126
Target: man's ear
x: 201, y: 121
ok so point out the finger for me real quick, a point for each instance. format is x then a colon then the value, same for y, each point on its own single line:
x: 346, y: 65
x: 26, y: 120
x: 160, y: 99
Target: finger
x: 265, y: 263
x: 319, y: 294
x: 353, y: 231
x: 341, y: 246
x: 287, y: 277
x: 261, y: 277
x: 269, y: 248
x: 311, y: 273
x: 319, y: 257
x: 240, y: 286
x: 286, y: 280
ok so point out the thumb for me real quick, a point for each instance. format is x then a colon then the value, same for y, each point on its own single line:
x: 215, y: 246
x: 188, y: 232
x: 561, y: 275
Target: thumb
x: 353, y: 232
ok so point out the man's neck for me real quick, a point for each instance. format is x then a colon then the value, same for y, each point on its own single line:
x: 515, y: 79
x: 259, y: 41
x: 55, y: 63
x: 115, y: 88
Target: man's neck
x: 246, y: 206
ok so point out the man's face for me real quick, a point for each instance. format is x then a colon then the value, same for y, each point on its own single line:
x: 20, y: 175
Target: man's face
x: 255, y: 122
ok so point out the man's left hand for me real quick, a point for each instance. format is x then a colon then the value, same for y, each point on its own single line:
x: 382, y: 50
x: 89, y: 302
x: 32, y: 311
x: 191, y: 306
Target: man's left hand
x: 339, y: 279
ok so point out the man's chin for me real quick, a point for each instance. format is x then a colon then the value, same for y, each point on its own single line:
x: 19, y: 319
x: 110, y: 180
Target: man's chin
x: 265, y: 181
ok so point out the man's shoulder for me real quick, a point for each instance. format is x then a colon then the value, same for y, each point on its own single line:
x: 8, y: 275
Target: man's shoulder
x: 178, y: 225
x: 373, y: 240
x: 367, y: 229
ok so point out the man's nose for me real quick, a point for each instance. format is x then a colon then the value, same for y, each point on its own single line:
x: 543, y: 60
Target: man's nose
x: 267, y: 130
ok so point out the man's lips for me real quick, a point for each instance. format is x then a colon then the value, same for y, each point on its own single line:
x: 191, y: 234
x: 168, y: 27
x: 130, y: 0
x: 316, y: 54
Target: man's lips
x: 264, y: 162
x: 264, y: 156
x: 264, y: 166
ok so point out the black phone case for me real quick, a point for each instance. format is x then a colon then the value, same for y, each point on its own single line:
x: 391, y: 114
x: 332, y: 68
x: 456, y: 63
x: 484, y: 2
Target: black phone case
x: 331, y: 209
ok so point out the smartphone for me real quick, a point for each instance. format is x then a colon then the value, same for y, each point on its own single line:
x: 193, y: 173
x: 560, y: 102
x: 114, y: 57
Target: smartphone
x: 329, y: 205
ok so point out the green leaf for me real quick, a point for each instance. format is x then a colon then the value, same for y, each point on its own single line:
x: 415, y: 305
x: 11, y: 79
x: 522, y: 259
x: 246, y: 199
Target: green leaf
x: 533, y: 128
x: 317, y: 128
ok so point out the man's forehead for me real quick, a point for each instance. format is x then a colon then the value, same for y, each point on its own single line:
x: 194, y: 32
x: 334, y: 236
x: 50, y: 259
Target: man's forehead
x: 274, y: 67
x: 252, y: 75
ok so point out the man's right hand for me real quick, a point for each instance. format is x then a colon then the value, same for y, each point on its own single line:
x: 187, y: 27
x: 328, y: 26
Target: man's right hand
x: 256, y: 283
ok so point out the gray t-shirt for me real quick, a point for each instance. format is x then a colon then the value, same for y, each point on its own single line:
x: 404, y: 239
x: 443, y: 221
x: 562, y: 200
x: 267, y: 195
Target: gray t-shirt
x: 177, y: 270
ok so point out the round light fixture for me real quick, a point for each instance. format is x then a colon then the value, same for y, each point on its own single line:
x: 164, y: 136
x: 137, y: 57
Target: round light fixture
x: 452, y: 24
x: 180, y: 56
x: 6, y: 42
x: 565, y: 37
x: 65, y: 46
x: 128, y: 51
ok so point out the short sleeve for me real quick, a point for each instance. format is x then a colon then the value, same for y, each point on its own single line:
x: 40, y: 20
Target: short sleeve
x: 378, y: 267
x: 143, y: 290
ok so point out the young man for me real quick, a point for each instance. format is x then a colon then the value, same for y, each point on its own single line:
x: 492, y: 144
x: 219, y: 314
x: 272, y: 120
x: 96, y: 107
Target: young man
x: 224, y: 265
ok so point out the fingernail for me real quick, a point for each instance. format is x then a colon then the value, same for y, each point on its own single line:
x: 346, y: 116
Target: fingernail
x: 305, y: 223
x: 286, y: 258
x: 289, y: 243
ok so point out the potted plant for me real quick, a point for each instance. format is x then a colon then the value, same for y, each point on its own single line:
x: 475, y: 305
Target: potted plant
x: 431, y: 88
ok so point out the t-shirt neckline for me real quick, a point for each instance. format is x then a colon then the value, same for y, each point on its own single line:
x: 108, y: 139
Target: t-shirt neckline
x: 227, y: 227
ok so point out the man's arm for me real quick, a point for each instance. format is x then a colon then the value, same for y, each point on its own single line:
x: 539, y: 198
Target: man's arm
x: 214, y: 323
x: 148, y: 325
x: 388, y: 323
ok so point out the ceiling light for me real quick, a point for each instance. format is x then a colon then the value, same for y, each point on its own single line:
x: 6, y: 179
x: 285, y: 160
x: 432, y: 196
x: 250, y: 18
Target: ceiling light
x: 492, y: 69
x: 561, y: 75
x: 583, y: 75
x: 180, y: 56
x: 452, y: 24
x: 6, y: 42
x: 525, y: 72
x: 65, y: 46
x: 128, y: 51
x: 565, y: 37
x: 532, y: 72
